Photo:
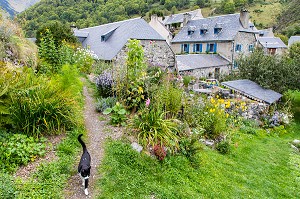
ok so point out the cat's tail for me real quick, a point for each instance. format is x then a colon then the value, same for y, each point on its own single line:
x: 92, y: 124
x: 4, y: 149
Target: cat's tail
x: 81, y: 142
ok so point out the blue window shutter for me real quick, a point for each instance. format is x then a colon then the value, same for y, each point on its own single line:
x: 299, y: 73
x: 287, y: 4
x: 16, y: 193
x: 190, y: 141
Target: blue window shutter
x: 241, y: 47
x: 188, y: 48
x: 237, y: 47
x: 207, y: 47
x: 215, y: 47
x: 194, y: 47
x: 200, y: 48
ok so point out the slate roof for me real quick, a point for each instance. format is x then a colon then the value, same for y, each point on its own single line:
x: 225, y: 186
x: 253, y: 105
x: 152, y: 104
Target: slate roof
x: 252, y: 90
x: 115, y: 35
x: 271, y: 42
x: 294, y: 39
x: 197, y: 61
x: 231, y: 25
x: 178, y: 18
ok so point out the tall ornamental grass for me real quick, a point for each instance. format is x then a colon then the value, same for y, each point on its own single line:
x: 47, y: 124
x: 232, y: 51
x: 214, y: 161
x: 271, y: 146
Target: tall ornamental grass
x: 44, y: 105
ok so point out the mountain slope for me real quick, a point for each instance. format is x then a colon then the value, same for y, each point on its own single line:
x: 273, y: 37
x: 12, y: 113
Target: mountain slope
x: 16, y: 6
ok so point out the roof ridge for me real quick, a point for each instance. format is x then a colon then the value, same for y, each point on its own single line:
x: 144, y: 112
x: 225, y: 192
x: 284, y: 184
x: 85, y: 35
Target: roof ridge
x: 112, y: 23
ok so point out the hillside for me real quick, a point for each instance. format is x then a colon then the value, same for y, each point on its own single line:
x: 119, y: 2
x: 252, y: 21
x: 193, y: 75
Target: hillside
x: 289, y: 20
x: 85, y: 13
x: 16, y: 6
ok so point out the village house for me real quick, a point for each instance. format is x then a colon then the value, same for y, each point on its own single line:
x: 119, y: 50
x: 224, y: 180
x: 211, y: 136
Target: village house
x: 179, y: 20
x: 226, y: 37
x: 109, y: 41
x: 272, y: 45
x: 293, y: 39
x: 157, y: 24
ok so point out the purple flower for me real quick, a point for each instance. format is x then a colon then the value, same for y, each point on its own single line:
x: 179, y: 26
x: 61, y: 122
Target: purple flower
x: 147, y: 102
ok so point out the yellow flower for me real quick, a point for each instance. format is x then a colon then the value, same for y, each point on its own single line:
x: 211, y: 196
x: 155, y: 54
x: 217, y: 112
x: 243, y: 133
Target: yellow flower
x: 227, y: 115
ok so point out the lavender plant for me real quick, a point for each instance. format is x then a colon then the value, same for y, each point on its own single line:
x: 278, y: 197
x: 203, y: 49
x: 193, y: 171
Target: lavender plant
x: 104, y: 83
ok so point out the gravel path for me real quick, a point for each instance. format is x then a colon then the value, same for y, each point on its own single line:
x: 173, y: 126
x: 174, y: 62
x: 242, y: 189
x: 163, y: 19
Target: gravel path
x: 97, y: 132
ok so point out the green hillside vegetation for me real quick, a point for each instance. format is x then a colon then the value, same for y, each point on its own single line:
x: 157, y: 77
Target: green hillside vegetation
x: 289, y: 20
x: 14, y: 48
x: 86, y: 13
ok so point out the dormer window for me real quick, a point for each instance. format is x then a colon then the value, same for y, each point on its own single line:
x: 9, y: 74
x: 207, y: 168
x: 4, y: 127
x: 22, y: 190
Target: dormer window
x: 203, y: 29
x: 191, y: 30
x: 218, y: 28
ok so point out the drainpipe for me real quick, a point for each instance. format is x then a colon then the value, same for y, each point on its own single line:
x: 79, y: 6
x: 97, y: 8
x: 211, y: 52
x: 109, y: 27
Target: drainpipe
x: 232, y: 55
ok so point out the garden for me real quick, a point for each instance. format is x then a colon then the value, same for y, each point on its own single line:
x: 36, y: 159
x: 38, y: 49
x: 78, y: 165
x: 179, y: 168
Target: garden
x: 176, y: 144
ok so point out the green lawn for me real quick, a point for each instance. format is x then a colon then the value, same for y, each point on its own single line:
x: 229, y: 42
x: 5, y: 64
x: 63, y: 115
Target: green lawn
x: 258, y: 167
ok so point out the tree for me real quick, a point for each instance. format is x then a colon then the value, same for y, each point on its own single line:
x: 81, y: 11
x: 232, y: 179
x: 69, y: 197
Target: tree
x: 59, y: 33
x: 277, y: 73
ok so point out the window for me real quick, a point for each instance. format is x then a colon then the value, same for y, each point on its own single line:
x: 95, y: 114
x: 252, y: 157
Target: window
x: 197, y: 48
x: 190, y: 32
x: 217, y: 30
x: 272, y: 51
x: 102, y: 38
x: 251, y: 47
x: 235, y: 65
x: 203, y: 31
x: 238, y: 47
x: 185, y: 48
x: 212, y: 47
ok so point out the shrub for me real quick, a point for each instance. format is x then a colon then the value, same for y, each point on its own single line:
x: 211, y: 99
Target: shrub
x: 159, y: 152
x: 84, y: 59
x: 104, y: 103
x: 118, y: 114
x: 100, y: 66
x: 168, y: 98
x: 186, y: 80
x: 45, y: 107
x: 18, y: 149
x: 7, y: 186
x: 207, y: 114
x: 104, y: 83
x: 223, y: 147
x: 189, y: 146
x: 152, y: 128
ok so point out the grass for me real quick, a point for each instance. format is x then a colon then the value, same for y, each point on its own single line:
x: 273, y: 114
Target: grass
x: 267, y: 17
x: 258, y: 167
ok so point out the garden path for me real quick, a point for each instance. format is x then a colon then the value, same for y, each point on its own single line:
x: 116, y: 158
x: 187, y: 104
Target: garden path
x: 97, y: 132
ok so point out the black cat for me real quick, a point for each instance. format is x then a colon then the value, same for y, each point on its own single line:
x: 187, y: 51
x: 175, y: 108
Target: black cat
x: 84, y: 166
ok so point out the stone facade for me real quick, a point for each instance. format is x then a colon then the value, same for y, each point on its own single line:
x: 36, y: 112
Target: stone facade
x: 207, y: 72
x: 157, y: 24
x: 225, y: 48
x: 157, y: 53
x: 244, y: 39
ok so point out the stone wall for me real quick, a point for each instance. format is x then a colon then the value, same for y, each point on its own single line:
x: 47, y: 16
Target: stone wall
x: 245, y: 39
x: 223, y: 48
x: 206, y: 72
x: 157, y: 53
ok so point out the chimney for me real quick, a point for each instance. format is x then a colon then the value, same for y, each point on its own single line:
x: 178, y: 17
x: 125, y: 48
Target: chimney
x: 186, y: 18
x: 154, y: 17
x: 73, y: 27
x: 244, y: 18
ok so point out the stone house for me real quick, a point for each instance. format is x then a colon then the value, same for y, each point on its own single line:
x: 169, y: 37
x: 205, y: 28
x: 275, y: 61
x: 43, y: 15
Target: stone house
x: 272, y: 45
x: 109, y: 42
x: 157, y: 24
x: 293, y: 39
x: 179, y: 20
x: 227, y: 36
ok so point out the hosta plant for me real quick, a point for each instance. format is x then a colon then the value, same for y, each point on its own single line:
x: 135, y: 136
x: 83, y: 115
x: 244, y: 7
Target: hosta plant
x: 118, y: 114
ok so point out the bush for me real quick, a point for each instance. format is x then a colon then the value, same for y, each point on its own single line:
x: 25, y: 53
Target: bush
x: 18, y: 149
x: 118, y: 114
x: 7, y: 186
x: 223, y: 147
x: 208, y: 115
x: 159, y: 152
x: 104, y: 83
x: 152, y: 128
x: 104, y: 103
x: 41, y: 106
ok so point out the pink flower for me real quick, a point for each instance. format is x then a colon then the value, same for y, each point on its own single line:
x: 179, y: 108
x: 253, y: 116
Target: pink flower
x: 147, y: 102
